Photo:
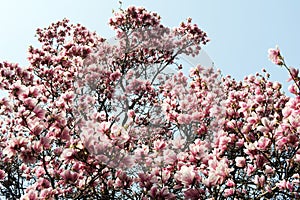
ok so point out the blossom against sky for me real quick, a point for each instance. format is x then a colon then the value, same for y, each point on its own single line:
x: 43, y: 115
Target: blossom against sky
x: 241, y: 32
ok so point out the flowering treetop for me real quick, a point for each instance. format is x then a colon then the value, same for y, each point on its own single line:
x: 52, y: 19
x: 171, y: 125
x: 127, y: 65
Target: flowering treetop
x: 92, y: 120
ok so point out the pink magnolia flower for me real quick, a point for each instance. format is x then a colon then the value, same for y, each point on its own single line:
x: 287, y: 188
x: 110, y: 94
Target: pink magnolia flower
x: 165, y: 175
x: 31, y: 195
x: 27, y: 156
x: 18, y: 89
x: 259, y: 180
x: 178, y: 143
x: 47, y: 193
x: 45, y: 142
x: 250, y: 169
x: 131, y: 113
x: 293, y: 89
x: 282, y: 142
x: 218, y: 170
x: 2, y: 174
x: 287, y: 111
x: 294, y: 73
x: 260, y: 160
x: 30, y: 103
x: 164, y: 193
x: 43, y: 183
x: 16, y: 144
x: 228, y: 192
x: 283, y: 184
x: 159, y: 145
x: 263, y: 143
x: 186, y: 175
x: 39, y: 171
x: 37, y: 129
x: 252, y: 120
x: 69, y: 176
x: 104, y: 127
x: 169, y: 156
x: 297, y: 156
x: 39, y: 112
x: 269, y: 169
x: 230, y: 183
x: 240, y: 161
x: 68, y: 154
x: 184, y: 119
x: 194, y: 194
x: 115, y: 76
x: 274, y: 56
x: 197, y: 150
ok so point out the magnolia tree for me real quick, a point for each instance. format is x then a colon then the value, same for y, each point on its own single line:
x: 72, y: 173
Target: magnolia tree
x: 91, y: 119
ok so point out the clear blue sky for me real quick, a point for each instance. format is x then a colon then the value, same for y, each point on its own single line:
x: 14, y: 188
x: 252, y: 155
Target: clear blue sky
x: 241, y: 31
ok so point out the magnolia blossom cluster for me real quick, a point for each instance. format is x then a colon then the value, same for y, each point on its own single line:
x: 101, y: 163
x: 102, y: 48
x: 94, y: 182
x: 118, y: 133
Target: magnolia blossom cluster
x: 88, y: 119
x: 276, y: 57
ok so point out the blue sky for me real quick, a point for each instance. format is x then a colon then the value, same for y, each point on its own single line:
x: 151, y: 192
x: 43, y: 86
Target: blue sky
x: 241, y: 31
